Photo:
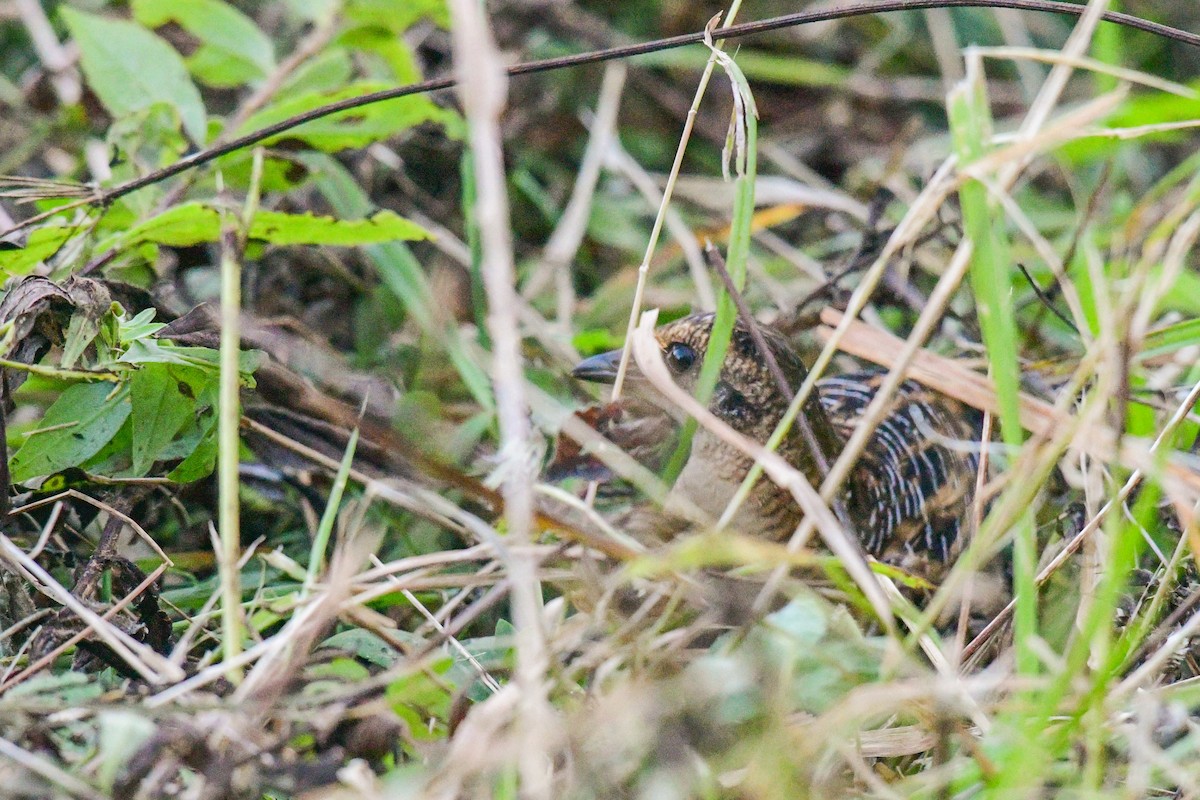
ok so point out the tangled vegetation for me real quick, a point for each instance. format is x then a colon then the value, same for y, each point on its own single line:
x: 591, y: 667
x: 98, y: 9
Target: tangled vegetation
x: 304, y: 501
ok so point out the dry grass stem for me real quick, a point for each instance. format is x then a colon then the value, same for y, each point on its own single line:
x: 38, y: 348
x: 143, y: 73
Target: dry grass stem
x: 153, y: 668
x: 668, y: 191
x: 482, y: 86
x: 75, y: 494
x: 1052, y: 88
x: 687, y: 241
x: 48, y: 770
x: 57, y: 60
x: 568, y: 234
x: 34, y: 667
x: 1090, y: 64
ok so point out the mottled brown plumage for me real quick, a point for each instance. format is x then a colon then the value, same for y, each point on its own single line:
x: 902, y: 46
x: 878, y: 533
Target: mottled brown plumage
x: 909, y: 496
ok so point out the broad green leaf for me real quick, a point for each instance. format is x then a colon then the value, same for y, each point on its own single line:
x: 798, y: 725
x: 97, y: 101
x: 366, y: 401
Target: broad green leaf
x: 131, y: 69
x: 145, y: 139
x: 1184, y: 294
x: 82, y: 329
x: 193, y: 223
x: 232, y: 49
x: 42, y: 243
x: 197, y: 443
x: 59, y: 690
x: 356, y: 127
x: 280, y: 174
x: 384, y: 226
x: 596, y: 340
x: 159, y: 412
x: 203, y: 458
x: 325, y: 72
x: 80, y: 422
x: 191, y: 437
x: 365, y: 645
x: 314, y: 10
x: 397, y: 17
x: 342, y: 670
x: 111, y: 461
x: 805, y: 619
x: 153, y: 351
x: 140, y: 326
x: 181, y: 226
x: 419, y: 698
x: 389, y: 47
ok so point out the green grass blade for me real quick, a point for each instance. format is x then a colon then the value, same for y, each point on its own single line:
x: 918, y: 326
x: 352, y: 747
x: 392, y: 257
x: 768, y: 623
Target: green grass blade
x: 320, y: 543
x: 971, y: 128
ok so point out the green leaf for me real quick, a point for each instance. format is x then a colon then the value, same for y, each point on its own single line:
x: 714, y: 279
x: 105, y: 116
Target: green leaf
x: 805, y: 618
x: 114, y: 460
x: 181, y: 226
x: 81, y: 330
x: 81, y: 421
x: 140, y: 326
x: 192, y: 223
x: 596, y: 340
x: 324, y: 72
x: 203, y: 458
x: 232, y: 49
x: 365, y: 645
x: 191, y: 437
x: 343, y: 670
x: 391, y: 48
x: 131, y: 69
x: 419, y: 698
x: 1184, y: 294
x: 356, y: 127
x: 314, y: 10
x: 384, y: 226
x: 1171, y: 338
x: 159, y: 411
x: 150, y: 351
x: 59, y: 691
x: 41, y: 244
x: 397, y: 17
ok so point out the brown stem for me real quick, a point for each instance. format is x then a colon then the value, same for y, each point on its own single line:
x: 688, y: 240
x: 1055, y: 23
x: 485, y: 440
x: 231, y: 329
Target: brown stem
x: 820, y: 458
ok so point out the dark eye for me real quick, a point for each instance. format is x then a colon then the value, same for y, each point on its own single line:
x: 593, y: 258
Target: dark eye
x: 680, y: 356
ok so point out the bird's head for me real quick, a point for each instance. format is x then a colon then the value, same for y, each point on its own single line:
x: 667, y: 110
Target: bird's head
x: 746, y: 395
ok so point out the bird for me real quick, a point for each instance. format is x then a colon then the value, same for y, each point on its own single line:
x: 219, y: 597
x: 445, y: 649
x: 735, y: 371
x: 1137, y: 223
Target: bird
x: 909, y: 497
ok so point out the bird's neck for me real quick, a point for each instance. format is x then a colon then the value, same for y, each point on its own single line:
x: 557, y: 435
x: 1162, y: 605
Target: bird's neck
x: 715, y: 470
x: 812, y: 451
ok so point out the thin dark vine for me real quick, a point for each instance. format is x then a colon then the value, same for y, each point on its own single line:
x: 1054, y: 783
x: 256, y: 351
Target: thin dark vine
x: 201, y: 157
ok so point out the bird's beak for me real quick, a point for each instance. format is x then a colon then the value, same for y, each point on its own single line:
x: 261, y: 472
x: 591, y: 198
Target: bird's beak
x: 600, y: 368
